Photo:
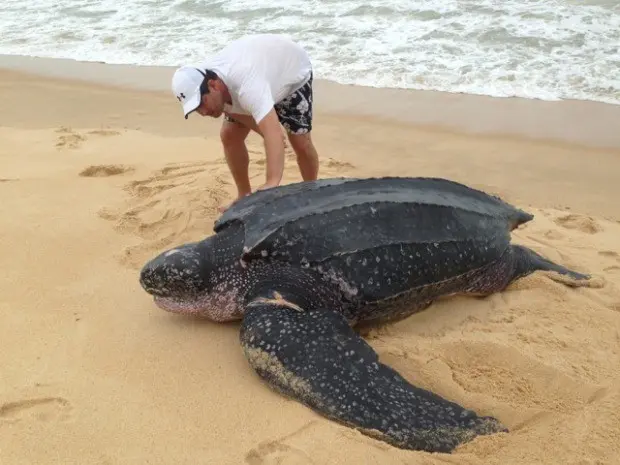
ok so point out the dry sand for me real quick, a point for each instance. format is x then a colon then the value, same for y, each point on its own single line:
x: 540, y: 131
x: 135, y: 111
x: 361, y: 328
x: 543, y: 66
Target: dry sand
x: 95, y: 180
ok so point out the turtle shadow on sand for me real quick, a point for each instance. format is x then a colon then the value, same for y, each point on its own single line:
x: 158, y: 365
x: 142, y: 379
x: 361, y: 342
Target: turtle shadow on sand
x: 302, y: 266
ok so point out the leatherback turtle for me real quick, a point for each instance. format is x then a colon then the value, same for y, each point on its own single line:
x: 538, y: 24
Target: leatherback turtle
x: 302, y: 264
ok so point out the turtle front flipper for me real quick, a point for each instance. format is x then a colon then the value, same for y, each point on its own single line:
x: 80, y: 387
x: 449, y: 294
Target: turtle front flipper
x: 315, y: 357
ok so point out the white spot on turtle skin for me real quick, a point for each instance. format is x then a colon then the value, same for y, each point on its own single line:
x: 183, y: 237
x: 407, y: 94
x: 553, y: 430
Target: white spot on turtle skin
x: 264, y: 253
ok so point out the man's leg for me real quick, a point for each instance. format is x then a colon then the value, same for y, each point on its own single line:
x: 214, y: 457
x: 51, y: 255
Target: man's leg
x: 233, y: 135
x: 307, y: 156
x: 295, y: 114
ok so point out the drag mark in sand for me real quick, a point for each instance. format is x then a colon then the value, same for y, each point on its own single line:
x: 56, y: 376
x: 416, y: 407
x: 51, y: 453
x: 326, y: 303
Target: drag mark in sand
x: 477, y: 368
x: 40, y: 409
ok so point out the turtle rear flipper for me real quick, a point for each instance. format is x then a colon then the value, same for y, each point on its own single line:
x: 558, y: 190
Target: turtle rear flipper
x: 315, y: 357
x: 519, y: 261
x: 527, y: 261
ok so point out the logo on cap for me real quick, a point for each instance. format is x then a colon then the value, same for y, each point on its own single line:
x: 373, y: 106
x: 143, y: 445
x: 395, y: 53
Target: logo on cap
x: 181, y: 96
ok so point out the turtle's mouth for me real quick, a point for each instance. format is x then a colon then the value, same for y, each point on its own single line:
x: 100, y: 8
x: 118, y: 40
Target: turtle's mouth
x: 190, y: 307
x: 221, y: 306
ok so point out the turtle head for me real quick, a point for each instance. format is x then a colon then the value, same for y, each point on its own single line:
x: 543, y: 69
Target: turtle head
x: 203, y: 279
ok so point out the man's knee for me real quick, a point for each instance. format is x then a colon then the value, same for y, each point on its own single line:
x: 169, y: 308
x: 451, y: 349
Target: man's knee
x: 233, y: 133
x: 301, y: 144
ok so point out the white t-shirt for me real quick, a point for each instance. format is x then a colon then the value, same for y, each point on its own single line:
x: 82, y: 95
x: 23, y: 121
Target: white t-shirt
x: 259, y: 71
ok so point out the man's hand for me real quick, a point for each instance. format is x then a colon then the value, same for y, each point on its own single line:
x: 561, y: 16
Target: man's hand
x: 274, y: 149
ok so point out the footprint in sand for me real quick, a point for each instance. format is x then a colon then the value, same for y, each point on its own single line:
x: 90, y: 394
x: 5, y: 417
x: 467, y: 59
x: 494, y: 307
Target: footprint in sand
x: 169, y: 177
x: 580, y: 223
x: 40, y: 409
x: 68, y: 139
x: 104, y: 132
x: 553, y: 235
x: 331, y: 163
x: 610, y: 254
x: 100, y: 171
x: 278, y: 452
x: 175, y: 204
x: 8, y: 179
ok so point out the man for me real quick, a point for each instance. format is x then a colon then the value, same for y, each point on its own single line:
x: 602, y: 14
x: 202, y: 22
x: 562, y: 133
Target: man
x: 259, y: 82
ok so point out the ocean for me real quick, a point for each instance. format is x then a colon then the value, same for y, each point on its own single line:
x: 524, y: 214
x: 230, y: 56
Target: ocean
x: 543, y: 49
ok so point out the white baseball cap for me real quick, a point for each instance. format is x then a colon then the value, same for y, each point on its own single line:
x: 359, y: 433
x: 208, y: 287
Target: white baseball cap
x: 186, y: 83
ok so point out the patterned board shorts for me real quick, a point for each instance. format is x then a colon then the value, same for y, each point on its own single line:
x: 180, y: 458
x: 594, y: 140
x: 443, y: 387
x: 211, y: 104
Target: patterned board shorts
x: 294, y: 111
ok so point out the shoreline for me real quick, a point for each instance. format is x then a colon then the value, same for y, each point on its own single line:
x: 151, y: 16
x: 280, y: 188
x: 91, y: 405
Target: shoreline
x: 587, y: 123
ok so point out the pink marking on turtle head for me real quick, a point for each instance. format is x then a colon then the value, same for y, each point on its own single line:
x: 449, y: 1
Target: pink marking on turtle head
x: 221, y: 305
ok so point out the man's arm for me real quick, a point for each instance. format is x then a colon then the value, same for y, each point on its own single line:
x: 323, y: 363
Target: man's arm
x: 255, y: 97
x: 274, y: 148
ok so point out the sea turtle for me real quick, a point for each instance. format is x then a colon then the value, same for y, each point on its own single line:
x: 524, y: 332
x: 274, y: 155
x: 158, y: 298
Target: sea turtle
x: 302, y: 264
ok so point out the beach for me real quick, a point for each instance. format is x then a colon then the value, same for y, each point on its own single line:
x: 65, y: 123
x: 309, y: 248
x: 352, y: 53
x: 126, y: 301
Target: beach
x: 99, y: 171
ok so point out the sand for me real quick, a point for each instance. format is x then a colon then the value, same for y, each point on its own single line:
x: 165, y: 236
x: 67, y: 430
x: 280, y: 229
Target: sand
x: 96, y: 179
